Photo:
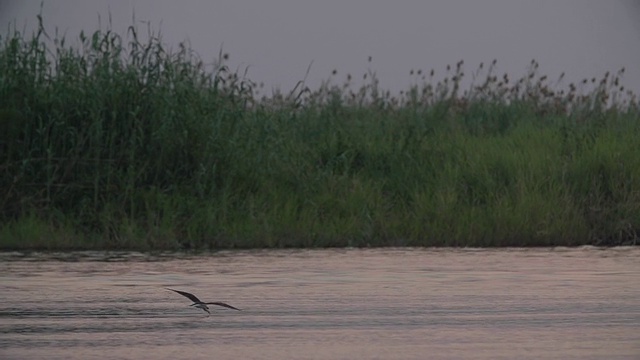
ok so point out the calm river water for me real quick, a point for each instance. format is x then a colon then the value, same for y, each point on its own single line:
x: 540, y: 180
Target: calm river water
x: 557, y: 303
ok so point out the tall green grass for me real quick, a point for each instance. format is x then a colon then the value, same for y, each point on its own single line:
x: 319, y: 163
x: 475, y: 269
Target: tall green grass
x: 118, y: 143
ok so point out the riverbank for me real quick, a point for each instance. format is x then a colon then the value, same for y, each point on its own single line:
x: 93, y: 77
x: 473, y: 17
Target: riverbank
x: 119, y: 144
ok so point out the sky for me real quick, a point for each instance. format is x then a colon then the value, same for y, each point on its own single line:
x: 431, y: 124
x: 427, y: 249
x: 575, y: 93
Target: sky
x: 277, y: 40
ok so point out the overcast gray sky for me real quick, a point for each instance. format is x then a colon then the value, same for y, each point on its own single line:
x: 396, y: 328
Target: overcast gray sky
x: 279, y: 38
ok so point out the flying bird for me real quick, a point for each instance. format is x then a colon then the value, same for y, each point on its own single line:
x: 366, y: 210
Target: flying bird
x: 202, y: 305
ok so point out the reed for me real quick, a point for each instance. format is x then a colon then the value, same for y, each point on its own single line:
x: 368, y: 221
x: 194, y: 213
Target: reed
x: 118, y: 143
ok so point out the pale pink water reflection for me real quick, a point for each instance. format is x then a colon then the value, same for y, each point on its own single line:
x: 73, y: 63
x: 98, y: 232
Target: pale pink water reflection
x: 325, y: 304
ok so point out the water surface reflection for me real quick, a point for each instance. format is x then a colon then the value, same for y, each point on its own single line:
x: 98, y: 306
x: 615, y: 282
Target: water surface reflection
x: 324, y: 304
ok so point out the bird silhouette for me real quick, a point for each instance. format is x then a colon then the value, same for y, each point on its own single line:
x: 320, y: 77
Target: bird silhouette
x: 200, y: 304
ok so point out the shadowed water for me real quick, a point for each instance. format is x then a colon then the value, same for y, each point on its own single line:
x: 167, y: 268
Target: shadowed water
x: 324, y: 304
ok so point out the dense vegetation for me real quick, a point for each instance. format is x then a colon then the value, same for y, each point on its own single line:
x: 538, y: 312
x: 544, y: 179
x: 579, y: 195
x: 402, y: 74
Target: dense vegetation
x: 117, y: 143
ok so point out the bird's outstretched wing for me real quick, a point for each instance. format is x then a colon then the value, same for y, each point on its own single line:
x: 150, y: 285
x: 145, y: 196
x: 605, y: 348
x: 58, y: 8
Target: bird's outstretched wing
x: 223, y: 305
x: 188, y: 295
